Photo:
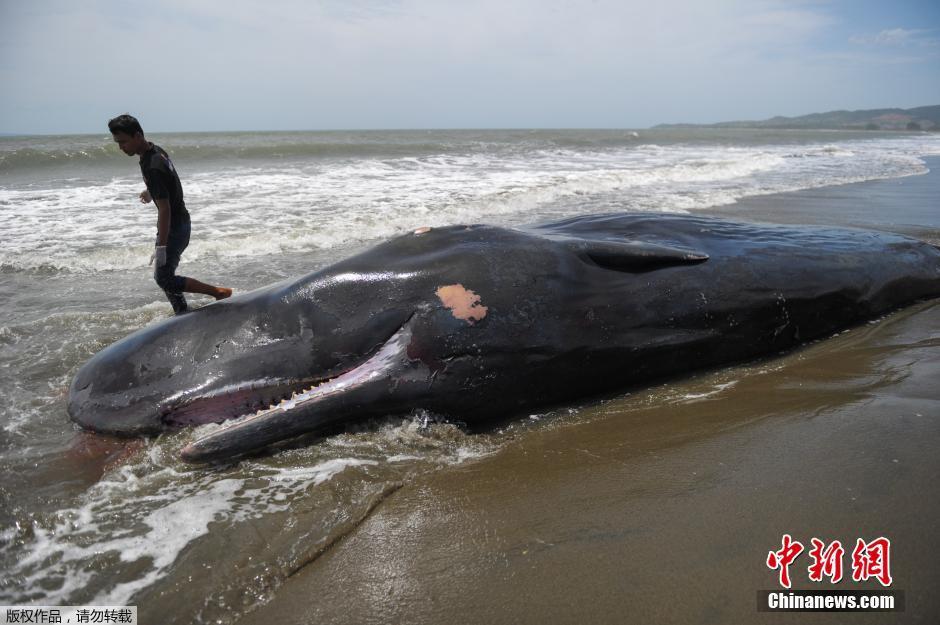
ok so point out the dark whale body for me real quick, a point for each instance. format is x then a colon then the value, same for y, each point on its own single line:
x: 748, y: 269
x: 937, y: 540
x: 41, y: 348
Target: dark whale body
x: 476, y: 322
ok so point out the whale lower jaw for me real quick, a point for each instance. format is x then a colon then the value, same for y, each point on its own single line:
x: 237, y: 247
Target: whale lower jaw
x: 374, y: 387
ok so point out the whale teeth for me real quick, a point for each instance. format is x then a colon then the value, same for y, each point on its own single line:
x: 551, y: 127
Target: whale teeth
x: 261, y: 405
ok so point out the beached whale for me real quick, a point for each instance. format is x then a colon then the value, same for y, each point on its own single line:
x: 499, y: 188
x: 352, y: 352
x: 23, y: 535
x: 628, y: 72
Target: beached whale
x: 475, y: 322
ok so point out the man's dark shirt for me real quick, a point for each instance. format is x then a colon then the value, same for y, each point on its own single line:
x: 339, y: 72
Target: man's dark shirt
x: 164, y: 184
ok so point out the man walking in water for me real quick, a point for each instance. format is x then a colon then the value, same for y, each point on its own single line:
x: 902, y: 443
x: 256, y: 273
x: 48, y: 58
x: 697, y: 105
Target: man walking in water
x: 173, y: 226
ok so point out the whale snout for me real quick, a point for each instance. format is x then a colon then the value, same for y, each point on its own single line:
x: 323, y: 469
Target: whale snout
x: 112, y: 415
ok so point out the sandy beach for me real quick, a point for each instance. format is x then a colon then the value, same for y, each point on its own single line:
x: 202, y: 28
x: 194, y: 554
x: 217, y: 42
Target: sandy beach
x: 661, y: 506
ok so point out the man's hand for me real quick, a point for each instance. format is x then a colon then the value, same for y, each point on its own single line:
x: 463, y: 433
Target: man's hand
x: 159, y: 253
x: 145, y: 197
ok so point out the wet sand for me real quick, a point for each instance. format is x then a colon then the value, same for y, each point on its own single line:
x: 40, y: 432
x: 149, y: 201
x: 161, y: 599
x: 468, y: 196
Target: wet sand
x: 904, y: 205
x: 661, y: 506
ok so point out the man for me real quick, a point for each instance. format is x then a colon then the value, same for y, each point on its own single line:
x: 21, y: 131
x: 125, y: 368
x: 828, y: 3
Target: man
x: 173, y: 227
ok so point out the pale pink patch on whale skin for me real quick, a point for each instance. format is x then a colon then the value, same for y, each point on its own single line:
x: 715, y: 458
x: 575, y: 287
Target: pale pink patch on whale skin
x: 463, y: 303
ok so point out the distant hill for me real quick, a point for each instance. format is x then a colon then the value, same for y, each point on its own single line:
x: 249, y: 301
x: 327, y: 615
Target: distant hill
x: 921, y: 118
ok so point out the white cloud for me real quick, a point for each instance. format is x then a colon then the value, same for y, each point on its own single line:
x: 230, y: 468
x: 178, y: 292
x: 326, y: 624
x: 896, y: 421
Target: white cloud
x: 895, y: 36
x: 899, y: 37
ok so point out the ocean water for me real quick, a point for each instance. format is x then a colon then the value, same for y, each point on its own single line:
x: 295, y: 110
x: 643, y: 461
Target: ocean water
x: 68, y: 202
x: 87, y: 522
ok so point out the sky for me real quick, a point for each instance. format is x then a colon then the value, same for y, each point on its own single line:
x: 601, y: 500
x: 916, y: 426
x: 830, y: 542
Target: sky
x: 199, y: 65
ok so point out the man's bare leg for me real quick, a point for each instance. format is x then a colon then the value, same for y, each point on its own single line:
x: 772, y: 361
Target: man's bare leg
x: 195, y: 286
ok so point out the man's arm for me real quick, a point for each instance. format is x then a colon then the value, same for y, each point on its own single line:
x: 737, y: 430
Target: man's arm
x: 163, y: 221
x: 157, y: 191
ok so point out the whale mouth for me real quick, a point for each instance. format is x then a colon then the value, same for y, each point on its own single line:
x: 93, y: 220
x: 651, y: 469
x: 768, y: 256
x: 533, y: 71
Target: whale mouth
x: 233, y: 402
x: 258, y: 396
x: 374, y: 386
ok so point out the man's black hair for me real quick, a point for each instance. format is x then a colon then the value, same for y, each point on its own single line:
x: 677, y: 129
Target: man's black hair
x: 125, y: 123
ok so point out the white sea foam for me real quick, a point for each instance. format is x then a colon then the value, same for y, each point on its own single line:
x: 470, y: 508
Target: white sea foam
x: 155, y: 527
x: 258, y: 211
x: 718, y: 388
x: 144, y: 515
